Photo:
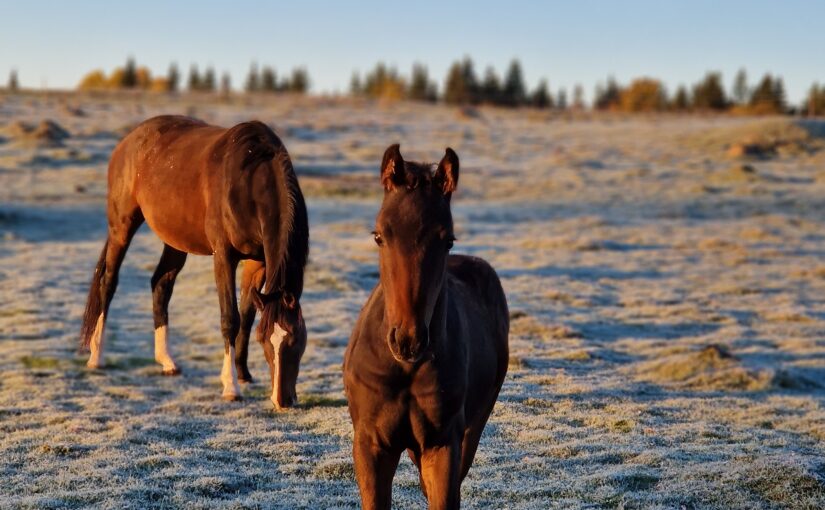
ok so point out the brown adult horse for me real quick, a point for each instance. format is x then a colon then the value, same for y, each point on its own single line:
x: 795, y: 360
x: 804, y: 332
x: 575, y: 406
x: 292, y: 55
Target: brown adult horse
x: 206, y: 190
x: 429, y: 352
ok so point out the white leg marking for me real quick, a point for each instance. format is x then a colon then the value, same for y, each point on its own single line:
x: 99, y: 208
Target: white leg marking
x: 276, y: 339
x: 96, y: 345
x: 162, y: 355
x: 229, y: 375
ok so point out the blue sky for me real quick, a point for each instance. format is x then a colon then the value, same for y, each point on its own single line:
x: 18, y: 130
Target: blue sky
x: 56, y: 43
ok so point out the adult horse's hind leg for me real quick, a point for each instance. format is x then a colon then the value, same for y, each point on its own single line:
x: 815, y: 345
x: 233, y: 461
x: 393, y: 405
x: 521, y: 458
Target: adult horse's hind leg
x: 121, y: 230
x: 226, y: 263
x: 252, y: 278
x: 163, y: 281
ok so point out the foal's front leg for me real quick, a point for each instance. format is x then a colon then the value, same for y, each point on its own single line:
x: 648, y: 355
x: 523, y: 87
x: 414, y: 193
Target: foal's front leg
x: 226, y: 262
x: 440, y: 473
x: 375, y: 468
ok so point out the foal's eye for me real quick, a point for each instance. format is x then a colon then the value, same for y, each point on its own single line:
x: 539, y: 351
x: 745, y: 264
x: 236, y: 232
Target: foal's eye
x: 378, y: 239
x: 450, y: 242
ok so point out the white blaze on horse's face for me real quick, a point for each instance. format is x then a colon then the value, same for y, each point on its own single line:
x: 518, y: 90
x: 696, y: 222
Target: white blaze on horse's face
x: 276, y: 339
x: 96, y: 344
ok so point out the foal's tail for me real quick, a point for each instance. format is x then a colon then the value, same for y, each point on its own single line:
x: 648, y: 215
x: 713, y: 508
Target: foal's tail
x: 94, y: 306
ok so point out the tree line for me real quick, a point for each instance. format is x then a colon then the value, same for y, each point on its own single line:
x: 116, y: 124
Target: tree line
x: 134, y: 77
x: 462, y: 86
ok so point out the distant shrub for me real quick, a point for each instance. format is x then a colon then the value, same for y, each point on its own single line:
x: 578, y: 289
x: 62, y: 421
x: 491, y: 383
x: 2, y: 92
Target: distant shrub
x: 643, y: 95
x: 383, y: 83
x: 95, y: 80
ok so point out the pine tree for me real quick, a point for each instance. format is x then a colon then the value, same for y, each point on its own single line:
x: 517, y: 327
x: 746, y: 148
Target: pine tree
x: 13, y: 84
x: 708, y: 94
x: 491, y: 87
x: 173, y: 78
x: 299, y: 82
x: 561, y: 102
x: 195, y: 82
x: 226, y: 85
x: 740, y: 87
x: 681, y: 101
x: 269, y: 80
x: 768, y: 96
x: 129, y: 79
x: 514, y: 94
x: 578, y: 97
x: 253, y: 80
x: 541, y: 96
x: 209, y: 82
x: 455, y: 90
x: 470, y: 81
x: 779, y: 95
x: 355, y: 87
x: 608, y: 98
x: 420, y: 87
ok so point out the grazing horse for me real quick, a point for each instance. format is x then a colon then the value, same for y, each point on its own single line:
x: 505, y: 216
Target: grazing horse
x: 429, y: 352
x: 206, y: 190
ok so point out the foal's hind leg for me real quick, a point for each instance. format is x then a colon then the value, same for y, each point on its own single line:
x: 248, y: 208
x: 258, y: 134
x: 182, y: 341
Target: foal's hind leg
x: 252, y: 279
x: 163, y: 281
x: 121, y: 230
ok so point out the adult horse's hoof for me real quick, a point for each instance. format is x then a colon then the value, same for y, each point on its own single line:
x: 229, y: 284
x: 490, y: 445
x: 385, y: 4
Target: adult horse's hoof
x: 232, y: 398
x: 94, y: 365
x: 245, y: 378
x: 171, y: 372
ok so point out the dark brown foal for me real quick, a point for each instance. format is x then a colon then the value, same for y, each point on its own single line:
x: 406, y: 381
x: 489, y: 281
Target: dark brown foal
x: 429, y: 352
x: 230, y: 193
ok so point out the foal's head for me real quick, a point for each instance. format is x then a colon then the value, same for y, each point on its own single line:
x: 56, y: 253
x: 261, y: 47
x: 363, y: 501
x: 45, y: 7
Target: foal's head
x: 283, y: 334
x: 414, y: 232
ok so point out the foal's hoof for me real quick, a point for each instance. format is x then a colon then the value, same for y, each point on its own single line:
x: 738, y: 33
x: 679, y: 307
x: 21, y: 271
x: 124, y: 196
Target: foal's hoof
x: 232, y: 398
x: 245, y: 379
x: 95, y: 365
x: 170, y: 372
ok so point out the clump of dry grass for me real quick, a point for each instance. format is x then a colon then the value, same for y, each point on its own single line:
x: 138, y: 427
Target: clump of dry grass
x: 711, y: 368
x: 760, y: 139
x: 47, y: 133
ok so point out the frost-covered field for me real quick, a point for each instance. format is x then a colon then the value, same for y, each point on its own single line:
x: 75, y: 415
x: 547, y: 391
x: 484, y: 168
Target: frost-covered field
x: 667, y: 302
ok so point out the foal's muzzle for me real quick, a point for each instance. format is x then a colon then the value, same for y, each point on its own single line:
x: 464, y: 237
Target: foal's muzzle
x: 408, y: 346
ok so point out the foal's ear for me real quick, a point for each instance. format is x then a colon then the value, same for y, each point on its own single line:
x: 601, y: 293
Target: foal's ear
x: 446, y: 175
x: 392, y: 168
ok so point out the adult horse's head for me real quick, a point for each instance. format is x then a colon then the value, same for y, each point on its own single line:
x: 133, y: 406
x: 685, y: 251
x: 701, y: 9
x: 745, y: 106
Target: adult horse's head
x: 283, y: 334
x: 414, y: 232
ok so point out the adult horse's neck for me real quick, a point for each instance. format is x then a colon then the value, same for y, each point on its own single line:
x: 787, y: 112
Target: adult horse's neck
x: 293, y: 243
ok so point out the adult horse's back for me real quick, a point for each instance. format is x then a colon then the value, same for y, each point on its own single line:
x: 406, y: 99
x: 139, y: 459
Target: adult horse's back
x: 429, y: 352
x: 206, y: 190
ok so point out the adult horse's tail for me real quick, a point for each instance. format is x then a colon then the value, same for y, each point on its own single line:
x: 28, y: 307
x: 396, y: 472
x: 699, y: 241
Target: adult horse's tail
x: 94, y: 306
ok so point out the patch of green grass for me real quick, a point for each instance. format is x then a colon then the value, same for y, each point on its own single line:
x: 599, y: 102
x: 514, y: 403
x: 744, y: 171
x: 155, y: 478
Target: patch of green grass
x: 319, y: 400
x: 37, y: 362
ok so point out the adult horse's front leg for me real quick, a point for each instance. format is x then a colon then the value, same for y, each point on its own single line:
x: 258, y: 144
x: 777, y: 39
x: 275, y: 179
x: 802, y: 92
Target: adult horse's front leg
x: 226, y: 262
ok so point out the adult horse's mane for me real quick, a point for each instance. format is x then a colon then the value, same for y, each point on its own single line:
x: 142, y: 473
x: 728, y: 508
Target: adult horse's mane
x: 248, y: 145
